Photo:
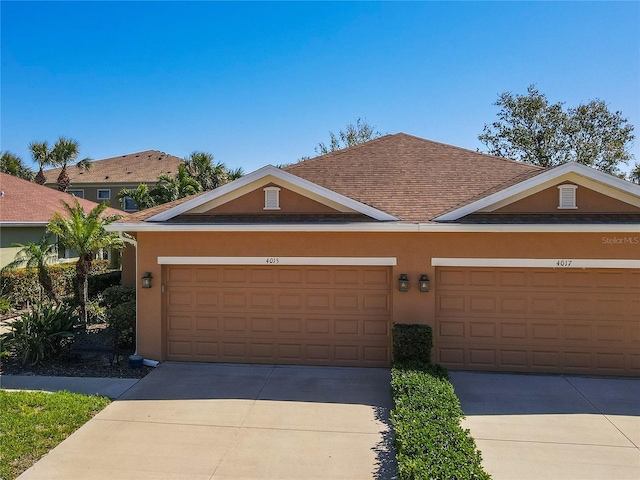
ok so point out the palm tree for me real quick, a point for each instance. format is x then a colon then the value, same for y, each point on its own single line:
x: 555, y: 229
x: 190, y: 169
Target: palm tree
x: 140, y: 195
x: 38, y: 256
x: 64, y: 152
x: 634, y: 175
x: 210, y: 175
x: 42, y: 155
x: 13, y: 165
x: 85, y: 234
x: 169, y: 188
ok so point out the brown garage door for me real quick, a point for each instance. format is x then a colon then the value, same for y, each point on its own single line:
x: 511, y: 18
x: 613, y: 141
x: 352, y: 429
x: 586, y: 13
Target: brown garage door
x: 286, y: 315
x: 538, y: 320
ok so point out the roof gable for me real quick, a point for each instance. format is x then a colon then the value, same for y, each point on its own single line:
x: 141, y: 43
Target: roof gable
x: 514, y: 198
x: 24, y: 202
x: 265, y: 176
x: 412, y: 178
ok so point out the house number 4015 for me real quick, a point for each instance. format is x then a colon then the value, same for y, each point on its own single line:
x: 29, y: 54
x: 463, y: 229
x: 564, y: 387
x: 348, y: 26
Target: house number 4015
x: 563, y: 263
x: 273, y: 260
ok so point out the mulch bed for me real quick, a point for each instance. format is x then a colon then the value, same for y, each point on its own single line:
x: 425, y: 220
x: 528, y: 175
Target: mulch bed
x: 95, y: 360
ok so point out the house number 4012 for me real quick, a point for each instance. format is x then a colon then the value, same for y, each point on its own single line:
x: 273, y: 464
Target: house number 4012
x: 273, y: 260
x: 563, y: 263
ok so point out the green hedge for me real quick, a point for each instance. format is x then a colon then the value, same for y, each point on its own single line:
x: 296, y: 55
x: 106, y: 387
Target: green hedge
x: 429, y: 439
x: 412, y: 343
x: 21, y: 286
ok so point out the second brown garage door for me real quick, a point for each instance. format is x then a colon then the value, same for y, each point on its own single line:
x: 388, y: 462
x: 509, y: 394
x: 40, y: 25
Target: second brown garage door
x: 283, y: 315
x: 539, y: 320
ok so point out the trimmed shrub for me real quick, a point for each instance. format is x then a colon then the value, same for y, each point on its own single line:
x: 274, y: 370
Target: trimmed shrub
x: 41, y: 333
x: 21, y: 286
x: 121, y: 319
x: 99, y: 282
x: 412, y: 343
x: 429, y: 440
x: 117, y: 295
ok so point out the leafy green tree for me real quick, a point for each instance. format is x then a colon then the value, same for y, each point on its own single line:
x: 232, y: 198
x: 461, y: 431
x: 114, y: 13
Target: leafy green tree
x: 634, y: 176
x: 85, y: 234
x: 42, y: 155
x: 13, y: 165
x: 533, y: 130
x: 352, y: 135
x: 201, y: 167
x: 38, y: 256
x: 169, y: 188
x: 65, y: 152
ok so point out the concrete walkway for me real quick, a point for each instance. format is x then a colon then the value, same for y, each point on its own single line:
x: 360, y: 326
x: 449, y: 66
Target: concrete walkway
x: 108, y: 387
x: 553, y: 427
x: 212, y: 421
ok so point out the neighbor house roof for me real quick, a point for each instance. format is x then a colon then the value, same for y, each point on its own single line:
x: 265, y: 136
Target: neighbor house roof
x: 412, y: 178
x: 141, y: 167
x: 24, y: 202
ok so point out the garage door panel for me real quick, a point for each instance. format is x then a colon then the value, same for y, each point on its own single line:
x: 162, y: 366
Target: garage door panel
x: 545, y: 320
x: 292, y: 315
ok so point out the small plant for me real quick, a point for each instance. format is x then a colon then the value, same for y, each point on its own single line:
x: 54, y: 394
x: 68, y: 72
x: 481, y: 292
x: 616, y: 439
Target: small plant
x: 41, y: 333
x: 122, y: 320
x: 412, y: 343
x: 5, y: 305
x: 117, y: 295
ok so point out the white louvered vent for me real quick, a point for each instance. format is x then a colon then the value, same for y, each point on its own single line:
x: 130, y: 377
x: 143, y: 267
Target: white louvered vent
x: 567, y: 199
x: 272, y: 198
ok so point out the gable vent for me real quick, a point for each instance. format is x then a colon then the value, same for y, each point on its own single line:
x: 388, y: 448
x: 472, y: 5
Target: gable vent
x: 567, y: 197
x: 272, y: 198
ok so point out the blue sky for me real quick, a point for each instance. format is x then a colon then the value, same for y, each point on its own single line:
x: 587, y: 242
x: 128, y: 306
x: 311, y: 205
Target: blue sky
x: 259, y: 83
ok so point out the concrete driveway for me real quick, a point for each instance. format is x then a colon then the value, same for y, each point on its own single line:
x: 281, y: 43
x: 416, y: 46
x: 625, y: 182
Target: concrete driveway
x: 552, y: 426
x: 213, y: 421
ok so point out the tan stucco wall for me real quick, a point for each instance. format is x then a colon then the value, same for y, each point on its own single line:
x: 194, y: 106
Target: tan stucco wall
x: 413, y: 251
x: 587, y: 201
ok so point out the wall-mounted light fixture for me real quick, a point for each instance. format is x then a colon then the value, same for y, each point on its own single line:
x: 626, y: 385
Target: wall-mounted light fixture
x: 403, y: 282
x: 424, y: 283
x: 146, y: 280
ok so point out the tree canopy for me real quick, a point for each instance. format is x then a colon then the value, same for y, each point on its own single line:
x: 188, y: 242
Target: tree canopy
x: 531, y: 129
x: 63, y: 153
x: 13, y: 165
x: 352, y: 135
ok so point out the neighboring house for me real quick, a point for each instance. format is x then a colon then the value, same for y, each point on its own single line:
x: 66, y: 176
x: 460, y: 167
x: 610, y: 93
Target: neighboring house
x: 25, y: 210
x: 529, y: 269
x: 104, y: 180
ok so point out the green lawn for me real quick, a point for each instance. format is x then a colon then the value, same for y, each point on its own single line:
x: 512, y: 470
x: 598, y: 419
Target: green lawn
x: 32, y: 423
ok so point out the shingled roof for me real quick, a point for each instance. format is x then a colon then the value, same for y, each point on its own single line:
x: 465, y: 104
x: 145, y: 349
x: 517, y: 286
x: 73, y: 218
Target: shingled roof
x: 26, y: 202
x: 410, y: 177
x: 141, y: 167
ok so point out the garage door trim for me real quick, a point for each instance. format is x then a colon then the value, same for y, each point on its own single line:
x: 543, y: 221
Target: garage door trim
x: 535, y: 262
x: 275, y: 261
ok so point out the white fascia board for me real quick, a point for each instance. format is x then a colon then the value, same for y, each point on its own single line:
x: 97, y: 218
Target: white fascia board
x: 557, y: 263
x: 532, y: 183
x: 270, y: 170
x: 377, y: 227
x: 262, y: 227
x: 23, y: 224
x: 281, y: 261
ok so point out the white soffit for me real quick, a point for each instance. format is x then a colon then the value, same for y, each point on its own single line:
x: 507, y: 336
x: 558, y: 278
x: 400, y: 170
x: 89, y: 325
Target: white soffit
x: 275, y: 261
x: 264, y: 176
x: 558, y: 263
x: 574, y: 172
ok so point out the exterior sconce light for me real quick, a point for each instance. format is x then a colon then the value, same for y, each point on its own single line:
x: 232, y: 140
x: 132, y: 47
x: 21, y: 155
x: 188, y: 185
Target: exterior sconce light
x: 424, y: 283
x: 403, y: 282
x: 146, y: 280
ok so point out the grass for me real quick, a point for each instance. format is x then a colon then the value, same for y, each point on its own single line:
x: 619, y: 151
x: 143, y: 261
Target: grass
x: 32, y: 423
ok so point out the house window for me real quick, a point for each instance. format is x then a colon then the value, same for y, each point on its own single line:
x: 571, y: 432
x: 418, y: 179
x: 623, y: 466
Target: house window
x: 130, y: 205
x: 567, y: 199
x: 272, y: 198
x: 104, y: 194
x: 76, y: 193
